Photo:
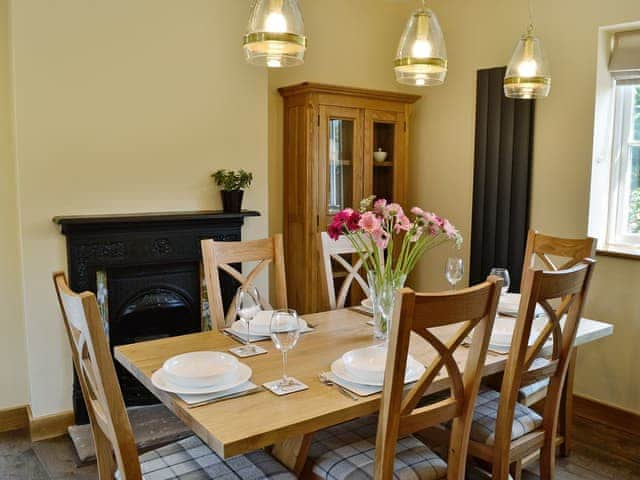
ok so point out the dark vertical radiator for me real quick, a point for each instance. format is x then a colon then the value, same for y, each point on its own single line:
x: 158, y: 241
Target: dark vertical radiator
x: 501, y: 178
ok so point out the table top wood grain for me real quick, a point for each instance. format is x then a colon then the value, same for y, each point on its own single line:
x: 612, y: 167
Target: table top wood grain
x: 245, y: 424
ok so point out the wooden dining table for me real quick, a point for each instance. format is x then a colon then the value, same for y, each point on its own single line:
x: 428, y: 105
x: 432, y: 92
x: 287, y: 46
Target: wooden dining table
x: 286, y: 423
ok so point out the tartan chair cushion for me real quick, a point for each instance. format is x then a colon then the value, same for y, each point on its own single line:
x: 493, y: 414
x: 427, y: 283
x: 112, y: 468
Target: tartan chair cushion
x: 347, y: 452
x: 485, y: 415
x: 191, y: 459
x: 527, y: 391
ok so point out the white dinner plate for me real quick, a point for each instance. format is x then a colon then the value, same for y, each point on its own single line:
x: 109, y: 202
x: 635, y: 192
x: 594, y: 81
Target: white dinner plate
x: 339, y: 370
x: 200, y: 369
x: 368, y: 364
x: 160, y: 381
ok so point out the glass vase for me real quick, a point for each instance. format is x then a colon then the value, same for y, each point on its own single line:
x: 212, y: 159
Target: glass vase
x: 382, y: 291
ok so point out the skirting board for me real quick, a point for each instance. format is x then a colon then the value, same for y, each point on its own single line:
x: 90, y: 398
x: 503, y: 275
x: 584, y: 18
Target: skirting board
x: 50, y: 426
x: 607, y: 414
x: 14, y: 418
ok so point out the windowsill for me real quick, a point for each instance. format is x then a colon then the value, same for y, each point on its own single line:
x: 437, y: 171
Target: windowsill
x: 618, y: 252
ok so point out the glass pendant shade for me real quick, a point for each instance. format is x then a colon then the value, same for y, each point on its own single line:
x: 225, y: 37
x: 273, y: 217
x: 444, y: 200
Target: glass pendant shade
x: 421, y: 59
x: 275, y: 35
x: 528, y: 74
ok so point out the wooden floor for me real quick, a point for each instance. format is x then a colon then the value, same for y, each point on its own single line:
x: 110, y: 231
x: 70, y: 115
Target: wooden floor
x: 600, y: 453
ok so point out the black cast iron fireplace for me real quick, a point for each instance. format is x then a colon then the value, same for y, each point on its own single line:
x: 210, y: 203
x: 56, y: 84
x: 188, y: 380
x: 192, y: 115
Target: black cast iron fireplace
x: 146, y: 271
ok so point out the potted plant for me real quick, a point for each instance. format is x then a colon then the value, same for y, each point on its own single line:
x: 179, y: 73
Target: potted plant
x: 232, y: 184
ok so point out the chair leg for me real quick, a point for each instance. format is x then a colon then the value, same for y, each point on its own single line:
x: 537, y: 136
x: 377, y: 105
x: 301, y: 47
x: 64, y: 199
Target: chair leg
x: 566, y: 407
x: 104, y: 455
x: 548, y: 458
x: 516, y: 470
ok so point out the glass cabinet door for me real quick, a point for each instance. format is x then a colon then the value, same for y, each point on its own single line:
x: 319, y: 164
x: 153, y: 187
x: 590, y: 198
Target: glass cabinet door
x: 384, y: 150
x: 341, y: 173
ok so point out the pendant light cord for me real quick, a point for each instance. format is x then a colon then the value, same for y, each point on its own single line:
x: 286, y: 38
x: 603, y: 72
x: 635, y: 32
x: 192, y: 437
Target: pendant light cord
x: 530, y: 27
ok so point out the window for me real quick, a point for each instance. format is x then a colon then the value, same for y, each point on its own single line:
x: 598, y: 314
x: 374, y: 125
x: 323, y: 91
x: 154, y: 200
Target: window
x: 624, y: 202
x: 614, y: 211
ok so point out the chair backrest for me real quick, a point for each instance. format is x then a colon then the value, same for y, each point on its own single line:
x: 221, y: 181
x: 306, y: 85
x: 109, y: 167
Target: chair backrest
x: 471, y: 309
x: 218, y: 256
x: 340, y: 251
x: 567, y: 289
x: 96, y: 372
x: 549, y: 250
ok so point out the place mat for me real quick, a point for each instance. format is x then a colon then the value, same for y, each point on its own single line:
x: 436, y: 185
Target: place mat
x: 205, y: 397
x: 363, y: 311
x: 358, y: 389
x: 273, y: 387
x: 243, y: 352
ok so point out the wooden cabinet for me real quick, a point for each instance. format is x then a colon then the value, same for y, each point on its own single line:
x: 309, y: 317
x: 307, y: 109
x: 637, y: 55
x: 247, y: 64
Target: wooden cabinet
x: 330, y: 136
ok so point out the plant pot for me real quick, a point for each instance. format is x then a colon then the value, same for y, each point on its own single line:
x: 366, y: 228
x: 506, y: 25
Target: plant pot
x: 232, y: 200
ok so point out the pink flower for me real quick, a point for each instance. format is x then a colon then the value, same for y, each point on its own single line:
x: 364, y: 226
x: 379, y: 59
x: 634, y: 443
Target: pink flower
x: 381, y: 238
x: 369, y: 222
x: 343, y: 215
x: 394, y: 209
x: 334, y: 230
x: 353, y: 221
x: 417, y: 211
x: 379, y: 205
x: 402, y: 224
x: 449, y: 229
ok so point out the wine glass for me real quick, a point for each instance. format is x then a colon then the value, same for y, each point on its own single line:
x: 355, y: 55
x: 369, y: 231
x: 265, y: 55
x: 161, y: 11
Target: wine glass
x: 285, y: 332
x: 247, y: 307
x: 502, y: 273
x: 454, y: 270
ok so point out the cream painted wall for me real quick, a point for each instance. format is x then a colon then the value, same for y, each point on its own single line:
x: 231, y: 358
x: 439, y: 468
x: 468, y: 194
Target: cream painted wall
x: 124, y: 106
x: 481, y: 34
x: 13, y: 355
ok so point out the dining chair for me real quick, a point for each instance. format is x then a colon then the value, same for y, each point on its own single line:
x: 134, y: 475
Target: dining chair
x: 116, y: 450
x: 340, y: 252
x: 382, y: 447
x: 554, y: 253
x: 221, y: 256
x: 505, y: 432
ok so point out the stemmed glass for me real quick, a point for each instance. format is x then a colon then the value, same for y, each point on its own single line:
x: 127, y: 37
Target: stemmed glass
x: 285, y: 332
x: 502, y: 273
x: 247, y: 307
x: 454, y: 270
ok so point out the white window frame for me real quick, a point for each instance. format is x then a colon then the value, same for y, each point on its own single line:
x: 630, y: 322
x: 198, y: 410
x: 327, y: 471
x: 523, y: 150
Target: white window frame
x: 619, y: 189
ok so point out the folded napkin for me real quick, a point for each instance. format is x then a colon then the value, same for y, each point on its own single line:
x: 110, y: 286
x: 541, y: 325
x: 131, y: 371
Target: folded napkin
x: 205, y: 397
x: 257, y: 338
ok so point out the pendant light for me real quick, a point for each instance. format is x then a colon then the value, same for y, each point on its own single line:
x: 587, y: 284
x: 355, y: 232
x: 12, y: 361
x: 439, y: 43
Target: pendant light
x: 275, y: 35
x: 528, y: 74
x: 421, y: 59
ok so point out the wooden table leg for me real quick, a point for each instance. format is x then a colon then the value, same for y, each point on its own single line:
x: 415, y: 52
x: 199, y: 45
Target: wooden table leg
x: 566, y: 407
x: 292, y: 452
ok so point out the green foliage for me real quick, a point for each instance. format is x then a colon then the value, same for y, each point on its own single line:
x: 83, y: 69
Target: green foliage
x: 634, y: 212
x: 232, y: 180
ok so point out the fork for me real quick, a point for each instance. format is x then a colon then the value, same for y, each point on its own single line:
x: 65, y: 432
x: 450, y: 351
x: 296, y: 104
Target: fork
x: 325, y: 380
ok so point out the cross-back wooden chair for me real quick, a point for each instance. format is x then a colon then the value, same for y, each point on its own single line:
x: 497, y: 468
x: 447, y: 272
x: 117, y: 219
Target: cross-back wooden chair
x: 115, y: 444
x: 550, y: 250
x: 552, y: 254
x: 397, y: 453
x: 505, y: 432
x: 335, y: 251
x: 218, y: 256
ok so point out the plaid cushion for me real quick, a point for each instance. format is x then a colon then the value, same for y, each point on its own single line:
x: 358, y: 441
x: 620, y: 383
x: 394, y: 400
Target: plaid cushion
x: 191, y: 459
x: 486, y: 412
x: 347, y: 452
x: 533, y: 388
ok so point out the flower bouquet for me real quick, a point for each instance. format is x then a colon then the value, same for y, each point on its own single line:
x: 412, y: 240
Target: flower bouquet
x: 390, y: 245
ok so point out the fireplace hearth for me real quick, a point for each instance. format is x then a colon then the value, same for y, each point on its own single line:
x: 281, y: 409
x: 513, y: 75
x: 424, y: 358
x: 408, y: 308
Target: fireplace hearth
x: 147, y: 274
